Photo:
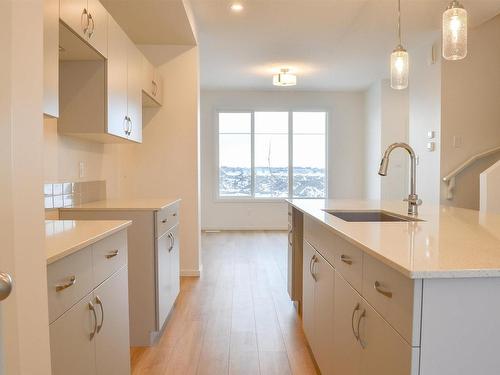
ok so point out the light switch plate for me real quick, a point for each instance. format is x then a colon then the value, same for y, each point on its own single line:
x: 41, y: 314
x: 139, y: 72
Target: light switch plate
x: 431, y: 134
x: 81, y: 169
x: 431, y: 146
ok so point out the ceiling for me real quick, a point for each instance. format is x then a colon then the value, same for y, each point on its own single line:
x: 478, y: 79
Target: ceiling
x: 153, y: 21
x: 330, y: 44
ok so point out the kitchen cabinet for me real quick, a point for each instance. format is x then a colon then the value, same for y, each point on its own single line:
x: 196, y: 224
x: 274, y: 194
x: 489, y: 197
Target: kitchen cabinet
x: 91, y: 337
x: 168, y: 273
x: 89, y: 20
x: 294, y: 266
x: 134, y: 93
x: 152, y: 84
x: 318, y: 309
x: 153, y: 258
x: 51, y: 58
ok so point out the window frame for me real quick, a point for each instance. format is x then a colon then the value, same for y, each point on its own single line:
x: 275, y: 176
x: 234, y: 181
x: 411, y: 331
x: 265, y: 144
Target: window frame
x: 252, y: 198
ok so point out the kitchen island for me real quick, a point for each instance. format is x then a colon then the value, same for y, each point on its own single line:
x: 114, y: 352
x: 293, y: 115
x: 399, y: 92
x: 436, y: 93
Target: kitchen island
x: 398, y: 297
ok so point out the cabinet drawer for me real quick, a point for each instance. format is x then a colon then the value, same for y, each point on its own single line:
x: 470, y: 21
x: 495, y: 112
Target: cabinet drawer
x: 348, y: 260
x: 397, y: 298
x: 108, y: 256
x: 320, y: 238
x: 166, y: 219
x: 68, y: 280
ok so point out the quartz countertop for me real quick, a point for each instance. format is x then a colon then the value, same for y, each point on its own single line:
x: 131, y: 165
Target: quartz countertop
x: 449, y: 243
x: 65, y: 237
x: 133, y: 204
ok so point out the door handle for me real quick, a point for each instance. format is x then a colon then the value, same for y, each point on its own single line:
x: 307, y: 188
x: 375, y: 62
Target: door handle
x: 363, y: 315
x: 5, y: 285
x: 356, y: 335
x: 99, y: 302
x: 92, y: 308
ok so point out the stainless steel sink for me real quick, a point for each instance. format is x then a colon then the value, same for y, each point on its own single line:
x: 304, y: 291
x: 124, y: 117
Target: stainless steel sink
x: 369, y: 216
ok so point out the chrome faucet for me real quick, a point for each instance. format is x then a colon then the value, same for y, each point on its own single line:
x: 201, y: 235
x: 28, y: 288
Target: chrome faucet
x: 413, y: 201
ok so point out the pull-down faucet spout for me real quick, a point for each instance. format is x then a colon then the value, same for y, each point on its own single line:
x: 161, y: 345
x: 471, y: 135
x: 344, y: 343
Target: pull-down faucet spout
x: 413, y: 201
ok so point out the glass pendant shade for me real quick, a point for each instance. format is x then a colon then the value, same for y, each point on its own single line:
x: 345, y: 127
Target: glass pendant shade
x: 455, y: 32
x: 399, y: 68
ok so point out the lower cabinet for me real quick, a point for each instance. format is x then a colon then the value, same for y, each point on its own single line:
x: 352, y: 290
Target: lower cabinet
x: 167, y: 263
x: 364, y: 343
x: 318, y: 307
x: 93, y: 336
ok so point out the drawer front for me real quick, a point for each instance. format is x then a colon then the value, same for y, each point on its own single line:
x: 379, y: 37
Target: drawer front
x: 109, y: 255
x: 348, y: 261
x: 166, y: 219
x: 68, y: 280
x: 395, y: 297
x: 321, y: 239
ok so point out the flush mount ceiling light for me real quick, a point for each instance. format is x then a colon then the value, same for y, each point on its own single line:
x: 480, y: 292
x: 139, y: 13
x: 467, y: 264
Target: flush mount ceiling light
x: 284, y: 78
x: 236, y: 7
x: 399, y: 61
x: 455, y: 32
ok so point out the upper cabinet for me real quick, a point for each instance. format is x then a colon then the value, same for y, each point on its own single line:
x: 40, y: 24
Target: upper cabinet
x: 51, y: 58
x: 89, y: 20
x: 152, y: 85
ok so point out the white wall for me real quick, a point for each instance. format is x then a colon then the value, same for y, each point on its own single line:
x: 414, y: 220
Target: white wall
x: 345, y: 158
x: 386, y: 123
x: 425, y: 115
x: 471, y: 110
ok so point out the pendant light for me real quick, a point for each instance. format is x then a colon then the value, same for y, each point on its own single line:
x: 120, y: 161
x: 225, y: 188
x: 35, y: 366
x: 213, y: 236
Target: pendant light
x: 399, y: 61
x: 455, y: 32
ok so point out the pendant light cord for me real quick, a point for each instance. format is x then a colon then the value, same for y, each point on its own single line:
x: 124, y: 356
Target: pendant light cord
x: 399, y: 22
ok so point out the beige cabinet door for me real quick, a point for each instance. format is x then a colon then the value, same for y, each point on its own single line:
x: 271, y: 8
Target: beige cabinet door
x: 308, y: 285
x: 97, y: 34
x: 118, y: 45
x: 164, y: 246
x: 112, y: 338
x: 384, y: 350
x: 51, y: 58
x: 72, y: 350
x: 74, y: 14
x: 346, y: 348
x: 175, y: 265
x: 134, y: 91
x: 324, y: 314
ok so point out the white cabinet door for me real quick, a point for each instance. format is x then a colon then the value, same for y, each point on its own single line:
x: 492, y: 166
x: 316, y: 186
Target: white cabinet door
x: 346, y: 348
x: 163, y: 274
x: 112, y: 339
x: 308, y: 282
x: 324, y: 314
x: 97, y: 35
x: 175, y: 265
x: 74, y: 13
x: 72, y: 350
x: 134, y: 91
x: 51, y: 58
x: 148, y: 75
x: 384, y: 350
x: 118, y: 45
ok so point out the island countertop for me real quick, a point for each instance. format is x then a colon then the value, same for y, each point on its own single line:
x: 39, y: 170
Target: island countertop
x: 64, y: 237
x: 132, y: 204
x: 449, y: 242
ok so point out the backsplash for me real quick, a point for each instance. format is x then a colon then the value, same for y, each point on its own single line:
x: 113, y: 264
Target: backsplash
x: 68, y: 194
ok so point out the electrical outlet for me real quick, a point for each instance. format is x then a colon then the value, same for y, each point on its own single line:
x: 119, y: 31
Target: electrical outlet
x: 81, y: 169
x: 457, y: 141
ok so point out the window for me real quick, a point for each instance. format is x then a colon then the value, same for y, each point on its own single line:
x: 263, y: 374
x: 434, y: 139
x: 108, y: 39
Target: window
x: 272, y: 154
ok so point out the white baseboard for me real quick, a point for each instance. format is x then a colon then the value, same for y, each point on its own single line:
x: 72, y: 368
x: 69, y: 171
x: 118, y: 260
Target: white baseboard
x: 280, y: 228
x: 191, y: 273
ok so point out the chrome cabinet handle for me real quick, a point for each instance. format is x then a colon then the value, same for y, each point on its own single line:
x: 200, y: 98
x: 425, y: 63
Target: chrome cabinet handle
x: 379, y: 289
x: 356, y: 308
x: 346, y: 259
x: 155, y: 88
x: 171, y: 242
x: 130, y: 126
x: 99, y: 302
x: 5, y: 285
x: 91, y: 26
x: 125, y: 125
x: 363, y: 315
x: 290, y: 233
x: 313, y: 261
x: 85, y: 15
x: 174, y: 214
x: 112, y: 254
x: 164, y: 221
x: 71, y: 282
x: 92, y: 308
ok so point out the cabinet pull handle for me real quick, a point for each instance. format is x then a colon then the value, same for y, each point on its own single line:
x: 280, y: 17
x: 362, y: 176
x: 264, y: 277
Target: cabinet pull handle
x: 379, y: 289
x: 155, y: 88
x: 91, y: 25
x: 363, y: 315
x: 71, y: 282
x: 171, y: 242
x: 92, y: 308
x: 346, y: 259
x: 129, y: 126
x: 125, y: 125
x: 85, y: 15
x: 313, y: 261
x: 174, y: 214
x: 356, y: 308
x: 99, y: 302
x: 289, y: 240
x: 164, y: 221
x: 112, y: 254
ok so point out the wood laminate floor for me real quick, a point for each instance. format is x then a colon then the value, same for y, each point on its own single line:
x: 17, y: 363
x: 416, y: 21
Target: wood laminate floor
x: 236, y: 318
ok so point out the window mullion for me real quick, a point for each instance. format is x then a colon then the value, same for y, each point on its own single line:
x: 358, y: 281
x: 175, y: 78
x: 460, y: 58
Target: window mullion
x: 252, y: 151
